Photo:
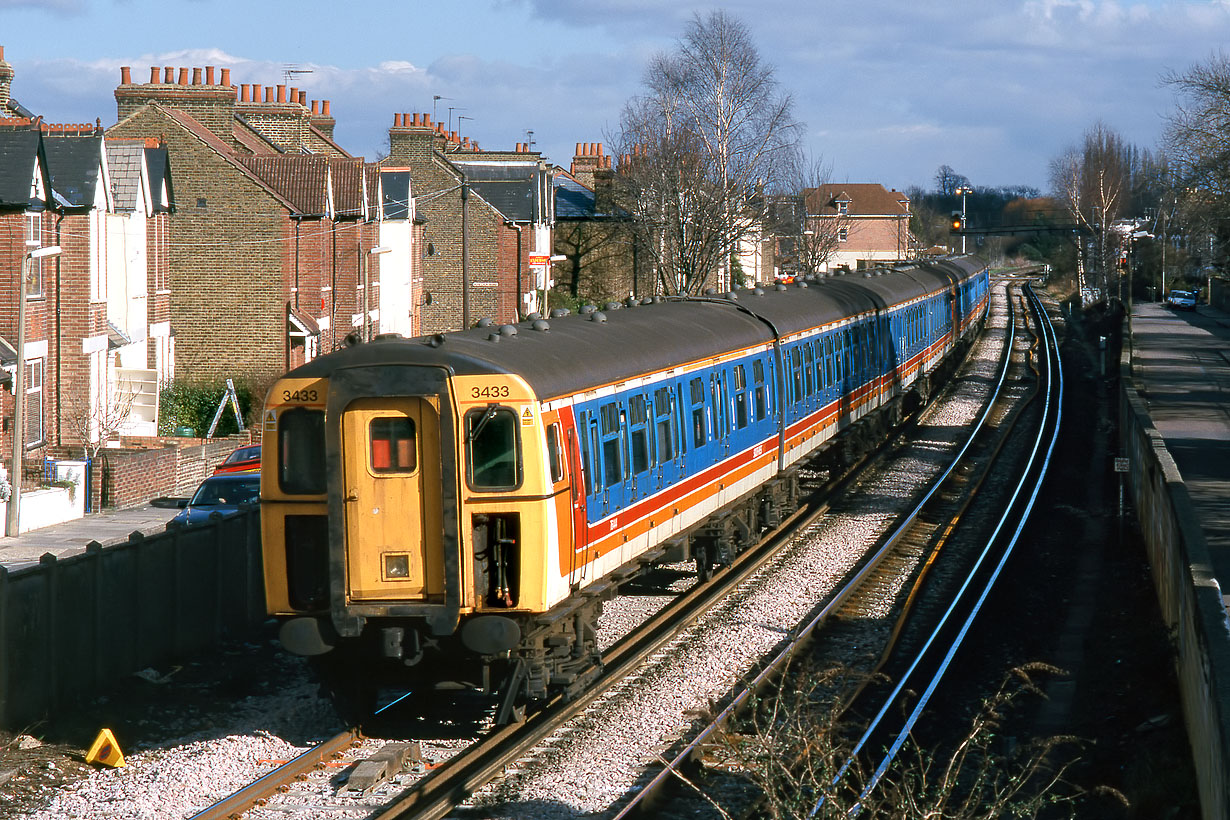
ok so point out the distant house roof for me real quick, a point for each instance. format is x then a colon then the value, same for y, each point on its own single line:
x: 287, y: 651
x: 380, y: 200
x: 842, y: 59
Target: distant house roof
x: 576, y: 201
x: 23, y: 169
x: 349, y: 184
x: 301, y: 179
x: 75, y: 166
x: 862, y: 198
x: 507, y: 186
x: 125, y: 159
x: 158, y: 163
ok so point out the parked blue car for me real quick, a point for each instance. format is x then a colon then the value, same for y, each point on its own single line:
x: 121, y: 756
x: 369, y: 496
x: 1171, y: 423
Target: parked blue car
x: 224, y: 493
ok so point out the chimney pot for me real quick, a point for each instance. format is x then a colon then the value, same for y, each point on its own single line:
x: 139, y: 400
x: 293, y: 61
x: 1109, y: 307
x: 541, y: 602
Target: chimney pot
x: 268, y: 93
x: 303, y: 98
x: 153, y: 74
x: 315, y: 107
x: 209, y: 75
x: 125, y: 73
x: 244, y: 91
x: 397, y: 120
x: 598, y: 145
x: 324, y: 108
x: 183, y: 76
x: 226, y: 77
x: 293, y: 94
x: 281, y: 93
x: 168, y: 75
x: 196, y: 76
x: 427, y: 119
x: 578, y: 148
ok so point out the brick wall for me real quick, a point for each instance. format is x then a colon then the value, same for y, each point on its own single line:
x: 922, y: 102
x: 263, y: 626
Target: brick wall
x: 133, y: 476
x: 227, y: 259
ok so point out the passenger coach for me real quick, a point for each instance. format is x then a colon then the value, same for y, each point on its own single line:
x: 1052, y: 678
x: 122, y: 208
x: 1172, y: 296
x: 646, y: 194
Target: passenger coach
x: 451, y: 510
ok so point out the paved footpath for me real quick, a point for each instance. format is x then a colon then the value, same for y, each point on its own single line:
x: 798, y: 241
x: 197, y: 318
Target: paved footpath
x: 106, y: 527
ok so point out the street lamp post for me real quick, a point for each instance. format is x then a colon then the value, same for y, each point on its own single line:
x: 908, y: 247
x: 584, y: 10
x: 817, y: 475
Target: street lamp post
x: 12, y: 522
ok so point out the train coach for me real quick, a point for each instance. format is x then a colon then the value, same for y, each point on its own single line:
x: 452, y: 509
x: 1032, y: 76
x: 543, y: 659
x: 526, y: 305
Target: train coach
x: 451, y: 511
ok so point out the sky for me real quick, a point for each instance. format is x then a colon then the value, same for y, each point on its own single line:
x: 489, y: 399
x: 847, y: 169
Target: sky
x: 887, y: 90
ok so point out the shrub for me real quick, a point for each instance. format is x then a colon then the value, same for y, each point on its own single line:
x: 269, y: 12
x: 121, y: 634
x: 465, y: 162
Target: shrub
x: 193, y: 403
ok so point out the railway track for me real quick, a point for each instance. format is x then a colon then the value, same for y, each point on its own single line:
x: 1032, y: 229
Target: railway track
x: 899, y: 571
x: 444, y: 788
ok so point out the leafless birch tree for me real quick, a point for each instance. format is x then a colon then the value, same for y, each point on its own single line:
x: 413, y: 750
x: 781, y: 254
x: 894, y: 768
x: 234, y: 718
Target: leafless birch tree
x: 700, y: 147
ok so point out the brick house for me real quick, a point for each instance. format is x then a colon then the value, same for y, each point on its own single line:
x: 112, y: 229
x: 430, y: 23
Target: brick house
x: 600, y: 260
x: 876, y: 223
x: 270, y: 257
x: 507, y: 224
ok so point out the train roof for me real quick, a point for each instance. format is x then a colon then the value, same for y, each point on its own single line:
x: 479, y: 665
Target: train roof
x: 573, y: 353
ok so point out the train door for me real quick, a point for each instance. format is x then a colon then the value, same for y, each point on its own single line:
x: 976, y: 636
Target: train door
x: 391, y: 474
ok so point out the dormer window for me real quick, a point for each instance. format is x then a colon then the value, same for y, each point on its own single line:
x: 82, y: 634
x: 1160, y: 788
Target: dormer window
x: 843, y: 207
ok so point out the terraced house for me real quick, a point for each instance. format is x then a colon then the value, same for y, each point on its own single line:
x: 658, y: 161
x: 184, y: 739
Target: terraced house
x: 83, y: 237
x: 278, y: 249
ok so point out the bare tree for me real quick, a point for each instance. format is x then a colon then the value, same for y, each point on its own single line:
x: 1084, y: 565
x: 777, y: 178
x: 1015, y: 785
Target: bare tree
x: 93, y: 423
x: 1093, y: 181
x: 948, y: 181
x: 704, y: 142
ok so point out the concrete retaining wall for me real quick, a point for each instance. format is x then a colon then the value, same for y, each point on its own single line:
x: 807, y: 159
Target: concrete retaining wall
x: 1190, y: 598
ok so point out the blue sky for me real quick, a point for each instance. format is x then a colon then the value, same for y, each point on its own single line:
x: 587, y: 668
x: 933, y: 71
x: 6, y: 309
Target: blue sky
x: 889, y: 90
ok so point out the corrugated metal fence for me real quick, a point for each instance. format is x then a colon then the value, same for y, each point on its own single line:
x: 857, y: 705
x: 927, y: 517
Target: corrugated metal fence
x: 71, y: 628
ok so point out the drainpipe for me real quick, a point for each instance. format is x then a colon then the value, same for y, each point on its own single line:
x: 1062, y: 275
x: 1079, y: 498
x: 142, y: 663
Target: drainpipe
x: 518, y: 304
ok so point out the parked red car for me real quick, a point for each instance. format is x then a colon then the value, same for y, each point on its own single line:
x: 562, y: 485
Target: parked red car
x: 245, y: 459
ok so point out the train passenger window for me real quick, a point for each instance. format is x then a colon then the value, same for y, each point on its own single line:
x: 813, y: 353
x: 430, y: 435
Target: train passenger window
x: 700, y: 434
x: 638, y: 420
x: 796, y: 372
x: 717, y: 392
x: 612, y: 444
x: 391, y: 446
x: 759, y: 392
x: 553, y: 454
x: 665, y: 428
x: 741, y: 409
x: 493, y: 453
x: 809, y: 370
x: 828, y: 362
x: 301, y: 451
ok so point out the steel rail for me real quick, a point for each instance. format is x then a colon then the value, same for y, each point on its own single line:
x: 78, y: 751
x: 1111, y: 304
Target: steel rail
x: 1034, y: 474
x: 446, y: 787
x: 639, y: 802
x: 268, y: 784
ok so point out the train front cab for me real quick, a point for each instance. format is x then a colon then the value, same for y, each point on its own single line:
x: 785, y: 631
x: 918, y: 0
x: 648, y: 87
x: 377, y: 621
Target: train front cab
x: 430, y: 547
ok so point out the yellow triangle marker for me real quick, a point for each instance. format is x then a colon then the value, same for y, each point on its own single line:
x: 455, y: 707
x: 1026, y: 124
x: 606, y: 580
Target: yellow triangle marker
x: 106, y: 751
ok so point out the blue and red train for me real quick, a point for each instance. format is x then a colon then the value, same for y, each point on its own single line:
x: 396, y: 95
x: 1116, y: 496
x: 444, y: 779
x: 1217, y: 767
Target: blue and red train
x: 452, y: 510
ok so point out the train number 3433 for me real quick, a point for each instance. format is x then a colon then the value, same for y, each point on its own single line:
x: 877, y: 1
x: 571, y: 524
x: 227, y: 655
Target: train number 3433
x: 489, y: 391
x: 298, y: 395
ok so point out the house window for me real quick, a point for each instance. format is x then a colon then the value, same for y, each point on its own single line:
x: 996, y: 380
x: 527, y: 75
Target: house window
x: 843, y: 208
x: 34, y: 403
x: 34, y: 284
x: 842, y: 234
